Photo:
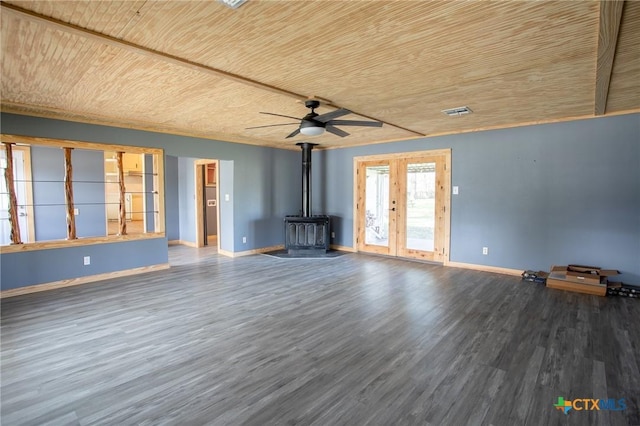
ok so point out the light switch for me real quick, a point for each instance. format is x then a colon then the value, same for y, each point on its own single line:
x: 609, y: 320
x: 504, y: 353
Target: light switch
x: 455, y: 190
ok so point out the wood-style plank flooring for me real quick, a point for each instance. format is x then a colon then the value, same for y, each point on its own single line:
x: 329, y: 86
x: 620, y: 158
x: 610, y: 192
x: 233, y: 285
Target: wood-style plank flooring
x: 352, y: 340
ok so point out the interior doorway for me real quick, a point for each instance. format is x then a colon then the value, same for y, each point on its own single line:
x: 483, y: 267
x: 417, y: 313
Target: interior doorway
x: 403, y: 203
x: 207, y: 208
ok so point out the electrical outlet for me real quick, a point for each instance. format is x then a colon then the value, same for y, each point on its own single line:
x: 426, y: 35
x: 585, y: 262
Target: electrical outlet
x: 76, y: 212
x: 226, y: 197
x: 87, y: 260
x: 333, y: 235
x: 485, y: 250
x: 244, y: 240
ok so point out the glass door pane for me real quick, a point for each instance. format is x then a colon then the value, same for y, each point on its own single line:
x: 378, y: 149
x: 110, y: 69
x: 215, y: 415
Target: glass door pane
x: 421, y: 206
x: 377, y: 205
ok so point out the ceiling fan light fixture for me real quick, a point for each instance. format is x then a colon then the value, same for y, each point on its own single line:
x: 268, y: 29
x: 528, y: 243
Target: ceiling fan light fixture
x: 312, y: 131
x: 314, y: 124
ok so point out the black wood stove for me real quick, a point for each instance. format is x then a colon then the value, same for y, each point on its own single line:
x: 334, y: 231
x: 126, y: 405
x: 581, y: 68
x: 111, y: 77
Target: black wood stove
x: 307, y: 234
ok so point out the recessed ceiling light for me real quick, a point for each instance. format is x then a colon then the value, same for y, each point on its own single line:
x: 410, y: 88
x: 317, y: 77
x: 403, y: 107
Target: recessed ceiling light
x: 454, y: 112
x: 233, y: 4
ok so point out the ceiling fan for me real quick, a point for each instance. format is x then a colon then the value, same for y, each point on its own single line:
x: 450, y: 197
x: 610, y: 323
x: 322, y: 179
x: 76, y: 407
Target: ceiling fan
x: 314, y: 124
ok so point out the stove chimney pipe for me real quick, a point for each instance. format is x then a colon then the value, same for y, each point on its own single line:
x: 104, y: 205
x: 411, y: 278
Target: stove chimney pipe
x: 306, y: 177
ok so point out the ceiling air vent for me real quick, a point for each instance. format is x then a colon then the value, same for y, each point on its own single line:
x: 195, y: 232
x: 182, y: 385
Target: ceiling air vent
x: 233, y: 4
x: 454, y: 112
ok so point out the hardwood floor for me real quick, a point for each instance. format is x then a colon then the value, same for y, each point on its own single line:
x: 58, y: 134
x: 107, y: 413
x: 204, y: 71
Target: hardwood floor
x: 351, y: 340
x: 133, y: 227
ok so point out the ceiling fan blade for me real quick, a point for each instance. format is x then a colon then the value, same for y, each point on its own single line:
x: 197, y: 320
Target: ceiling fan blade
x: 292, y: 134
x: 323, y: 118
x: 280, y: 115
x: 329, y: 128
x: 356, y: 123
x: 272, y: 125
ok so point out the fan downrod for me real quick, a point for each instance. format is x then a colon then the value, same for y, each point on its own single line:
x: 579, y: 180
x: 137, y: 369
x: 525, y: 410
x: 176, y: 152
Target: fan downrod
x: 312, y: 103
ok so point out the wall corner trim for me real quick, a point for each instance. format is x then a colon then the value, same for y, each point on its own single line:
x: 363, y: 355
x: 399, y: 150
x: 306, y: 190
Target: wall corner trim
x: 226, y: 253
x: 80, y: 280
x: 485, y: 268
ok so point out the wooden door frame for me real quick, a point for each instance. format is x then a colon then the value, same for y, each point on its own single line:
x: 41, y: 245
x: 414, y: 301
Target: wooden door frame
x: 360, y: 231
x: 445, y: 181
x: 199, y: 194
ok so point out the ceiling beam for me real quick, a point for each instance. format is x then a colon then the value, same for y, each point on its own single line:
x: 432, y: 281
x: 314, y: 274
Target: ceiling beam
x: 166, y: 57
x: 610, y: 17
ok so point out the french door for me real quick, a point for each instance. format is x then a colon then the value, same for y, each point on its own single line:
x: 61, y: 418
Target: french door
x: 403, y: 205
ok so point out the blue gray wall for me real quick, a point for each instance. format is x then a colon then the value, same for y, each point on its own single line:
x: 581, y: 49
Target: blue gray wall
x: 48, y: 170
x: 186, y: 199
x: 89, y: 192
x: 212, y: 211
x: 226, y: 184
x: 44, y: 266
x: 47, y: 165
x: 536, y: 196
x: 171, y: 198
x: 278, y: 194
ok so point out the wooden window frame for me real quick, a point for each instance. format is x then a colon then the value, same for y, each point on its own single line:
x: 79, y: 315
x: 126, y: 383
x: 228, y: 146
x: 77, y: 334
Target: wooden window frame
x: 158, y: 179
x: 26, y: 155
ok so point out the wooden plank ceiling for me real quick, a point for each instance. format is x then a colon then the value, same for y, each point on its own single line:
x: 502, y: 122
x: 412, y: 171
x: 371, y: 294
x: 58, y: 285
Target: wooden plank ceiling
x: 200, y: 68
